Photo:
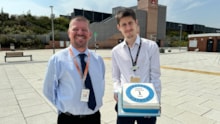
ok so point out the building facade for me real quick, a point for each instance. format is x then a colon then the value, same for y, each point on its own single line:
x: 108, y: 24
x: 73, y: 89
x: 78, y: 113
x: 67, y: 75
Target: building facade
x: 206, y: 42
x: 152, y: 23
x: 190, y: 28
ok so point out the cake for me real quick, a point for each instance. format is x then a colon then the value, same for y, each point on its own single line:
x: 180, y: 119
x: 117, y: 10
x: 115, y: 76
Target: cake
x: 140, y: 98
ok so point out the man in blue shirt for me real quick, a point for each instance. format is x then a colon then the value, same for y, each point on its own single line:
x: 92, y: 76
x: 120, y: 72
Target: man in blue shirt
x: 75, y: 78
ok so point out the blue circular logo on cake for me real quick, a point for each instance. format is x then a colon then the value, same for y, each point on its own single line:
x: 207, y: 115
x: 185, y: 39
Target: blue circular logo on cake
x: 139, y: 93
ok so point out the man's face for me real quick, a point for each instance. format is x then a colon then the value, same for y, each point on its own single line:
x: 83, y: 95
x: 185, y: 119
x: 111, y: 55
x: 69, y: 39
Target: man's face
x: 79, y: 34
x: 128, y: 27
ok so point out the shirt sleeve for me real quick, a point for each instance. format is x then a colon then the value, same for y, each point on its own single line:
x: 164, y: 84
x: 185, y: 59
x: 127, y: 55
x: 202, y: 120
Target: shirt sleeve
x: 155, y: 69
x: 51, y: 81
x: 115, y: 74
x: 103, y: 72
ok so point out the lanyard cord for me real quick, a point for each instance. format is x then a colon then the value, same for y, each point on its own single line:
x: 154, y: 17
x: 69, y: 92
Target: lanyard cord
x: 83, y: 75
x: 134, y: 63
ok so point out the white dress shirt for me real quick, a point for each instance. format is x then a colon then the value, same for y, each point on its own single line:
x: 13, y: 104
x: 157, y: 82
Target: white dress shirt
x: 148, y: 62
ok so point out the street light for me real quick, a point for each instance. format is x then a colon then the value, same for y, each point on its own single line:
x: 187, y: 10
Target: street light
x: 95, y: 35
x: 181, y: 26
x: 52, y: 26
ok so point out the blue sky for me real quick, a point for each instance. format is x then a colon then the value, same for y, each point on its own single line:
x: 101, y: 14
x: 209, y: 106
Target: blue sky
x: 205, y: 12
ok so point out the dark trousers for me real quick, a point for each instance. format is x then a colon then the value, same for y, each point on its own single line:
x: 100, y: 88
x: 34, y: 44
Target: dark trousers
x: 64, y: 118
x: 131, y: 120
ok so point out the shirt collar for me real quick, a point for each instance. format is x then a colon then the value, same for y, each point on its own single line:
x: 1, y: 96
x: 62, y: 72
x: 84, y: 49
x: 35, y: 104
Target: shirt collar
x: 137, y: 41
x: 76, y: 52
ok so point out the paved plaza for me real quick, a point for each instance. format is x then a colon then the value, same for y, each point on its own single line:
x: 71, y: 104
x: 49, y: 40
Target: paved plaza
x: 190, y: 88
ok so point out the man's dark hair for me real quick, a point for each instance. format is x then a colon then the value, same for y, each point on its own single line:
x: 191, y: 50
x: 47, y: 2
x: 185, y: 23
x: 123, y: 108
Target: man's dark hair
x: 125, y: 13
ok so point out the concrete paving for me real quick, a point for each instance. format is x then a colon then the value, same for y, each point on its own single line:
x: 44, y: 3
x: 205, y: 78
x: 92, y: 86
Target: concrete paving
x: 190, y: 89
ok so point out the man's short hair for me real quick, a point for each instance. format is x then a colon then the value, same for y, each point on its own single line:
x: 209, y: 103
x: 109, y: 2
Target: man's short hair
x: 125, y: 13
x: 79, y: 18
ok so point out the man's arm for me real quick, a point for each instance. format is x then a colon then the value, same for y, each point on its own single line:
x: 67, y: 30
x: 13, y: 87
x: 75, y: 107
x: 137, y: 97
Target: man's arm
x: 115, y: 76
x: 50, y: 82
x: 155, y: 72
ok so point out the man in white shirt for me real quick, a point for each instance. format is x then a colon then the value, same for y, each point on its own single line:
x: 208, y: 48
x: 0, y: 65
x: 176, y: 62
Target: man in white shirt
x: 134, y: 59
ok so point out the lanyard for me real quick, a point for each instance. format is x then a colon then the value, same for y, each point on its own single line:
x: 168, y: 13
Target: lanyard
x: 83, y: 75
x: 134, y: 63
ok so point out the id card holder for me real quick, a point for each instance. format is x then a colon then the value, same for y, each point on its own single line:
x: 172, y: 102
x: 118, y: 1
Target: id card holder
x: 85, y: 95
x: 135, y: 79
x: 134, y: 68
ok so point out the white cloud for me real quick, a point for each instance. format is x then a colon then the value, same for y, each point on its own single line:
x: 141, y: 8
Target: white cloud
x: 193, y: 5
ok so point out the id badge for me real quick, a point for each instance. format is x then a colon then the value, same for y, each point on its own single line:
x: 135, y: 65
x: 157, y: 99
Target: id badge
x: 85, y: 95
x: 135, y: 79
x: 134, y: 68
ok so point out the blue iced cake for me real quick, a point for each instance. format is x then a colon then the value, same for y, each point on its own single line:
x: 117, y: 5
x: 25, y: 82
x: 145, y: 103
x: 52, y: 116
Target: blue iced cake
x: 140, y: 98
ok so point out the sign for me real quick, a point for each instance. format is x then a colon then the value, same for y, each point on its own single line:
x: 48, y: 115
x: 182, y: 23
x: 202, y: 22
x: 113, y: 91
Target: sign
x: 193, y: 43
x: 95, y: 34
x: 61, y: 43
x: 153, y: 1
x: 67, y: 43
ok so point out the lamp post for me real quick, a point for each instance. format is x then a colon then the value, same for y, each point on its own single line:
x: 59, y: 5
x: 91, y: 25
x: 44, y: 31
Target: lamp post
x: 52, y: 26
x: 181, y: 26
x: 95, y: 35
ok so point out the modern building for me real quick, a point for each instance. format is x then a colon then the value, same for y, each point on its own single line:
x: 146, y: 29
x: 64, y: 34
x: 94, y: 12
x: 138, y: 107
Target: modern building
x: 190, y: 28
x: 91, y: 15
x: 152, y: 21
x: 207, y: 42
x: 151, y: 18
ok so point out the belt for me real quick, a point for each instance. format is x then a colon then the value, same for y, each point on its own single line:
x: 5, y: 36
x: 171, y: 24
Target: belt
x: 78, y: 116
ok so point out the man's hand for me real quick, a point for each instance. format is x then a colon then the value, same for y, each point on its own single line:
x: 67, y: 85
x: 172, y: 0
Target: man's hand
x: 116, y: 97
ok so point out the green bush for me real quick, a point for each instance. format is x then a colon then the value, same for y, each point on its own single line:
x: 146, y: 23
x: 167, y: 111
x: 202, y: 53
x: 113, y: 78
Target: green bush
x: 178, y: 43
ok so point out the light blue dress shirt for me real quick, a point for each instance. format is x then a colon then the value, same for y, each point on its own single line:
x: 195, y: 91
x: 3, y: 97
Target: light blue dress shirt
x: 63, y: 84
x: 148, y: 63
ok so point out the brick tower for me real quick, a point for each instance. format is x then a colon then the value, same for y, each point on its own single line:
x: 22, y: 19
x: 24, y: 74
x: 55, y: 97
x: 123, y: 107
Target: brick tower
x: 151, y: 6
